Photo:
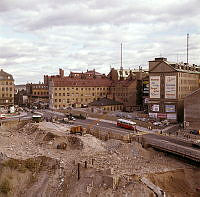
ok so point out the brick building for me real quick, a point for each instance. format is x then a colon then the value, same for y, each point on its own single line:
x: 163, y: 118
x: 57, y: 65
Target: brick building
x: 76, y: 92
x: 6, y: 89
x: 169, y: 84
x: 192, y: 110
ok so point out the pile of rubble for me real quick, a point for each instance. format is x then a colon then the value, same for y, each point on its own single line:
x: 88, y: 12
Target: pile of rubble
x: 84, y: 164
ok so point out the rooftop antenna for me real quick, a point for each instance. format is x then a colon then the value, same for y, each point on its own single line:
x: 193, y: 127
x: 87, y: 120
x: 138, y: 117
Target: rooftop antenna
x: 121, y: 68
x: 187, y: 46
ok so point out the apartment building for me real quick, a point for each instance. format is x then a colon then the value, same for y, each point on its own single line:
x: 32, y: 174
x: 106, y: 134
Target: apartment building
x: 169, y: 84
x: 76, y: 92
x: 6, y: 89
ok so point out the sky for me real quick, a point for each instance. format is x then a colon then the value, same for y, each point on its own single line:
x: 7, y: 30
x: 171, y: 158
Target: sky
x: 38, y: 37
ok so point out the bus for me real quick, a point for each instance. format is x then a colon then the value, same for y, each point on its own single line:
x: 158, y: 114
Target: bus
x: 127, y: 124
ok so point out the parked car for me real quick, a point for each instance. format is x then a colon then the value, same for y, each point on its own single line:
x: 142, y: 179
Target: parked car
x: 195, y: 132
x: 158, y: 124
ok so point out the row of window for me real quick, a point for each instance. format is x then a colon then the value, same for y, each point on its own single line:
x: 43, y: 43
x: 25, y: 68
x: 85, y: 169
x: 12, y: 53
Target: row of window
x: 73, y: 99
x: 6, y: 83
x: 40, y: 87
x: 6, y: 89
x: 77, y: 94
x: 7, y: 101
x: 82, y: 89
x: 40, y: 93
x: 6, y: 95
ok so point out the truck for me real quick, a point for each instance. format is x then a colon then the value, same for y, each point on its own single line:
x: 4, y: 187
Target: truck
x: 77, y: 130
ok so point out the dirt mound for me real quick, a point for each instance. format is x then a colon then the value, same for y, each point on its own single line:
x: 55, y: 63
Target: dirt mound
x: 74, y: 142
x: 29, y: 128
x: 92, y: 144
x: 179, y: 183
x: 49, y: 137
x: 113, y: 145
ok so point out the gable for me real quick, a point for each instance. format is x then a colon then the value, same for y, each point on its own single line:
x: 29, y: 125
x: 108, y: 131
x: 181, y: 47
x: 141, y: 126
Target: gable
x: 162, y: 67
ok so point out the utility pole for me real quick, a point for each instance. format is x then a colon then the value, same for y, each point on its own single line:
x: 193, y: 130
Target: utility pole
x: 187, y: 46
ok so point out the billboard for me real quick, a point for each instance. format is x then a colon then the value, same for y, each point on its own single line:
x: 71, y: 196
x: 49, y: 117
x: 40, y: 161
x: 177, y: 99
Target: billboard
x: 155, y: 107
x: 170, y: 87
x: 154, y: 86
x: 171, y: 116
x: 152, y: 115
x: 170, y: 108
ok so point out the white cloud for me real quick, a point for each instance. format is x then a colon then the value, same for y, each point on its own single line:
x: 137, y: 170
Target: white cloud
x: 37, y: 37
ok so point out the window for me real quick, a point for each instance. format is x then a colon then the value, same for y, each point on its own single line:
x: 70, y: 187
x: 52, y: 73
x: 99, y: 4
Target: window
x: 55, y: 100
x: 55, y: 94
x: 10, y: 95
x: 76, y: 88
x: 10, y: 89
x: 59, y: 94
x: 55, y: 88
x: 59, y: 88
x: 59, y: 100
x: 63, y: 94
x: 63, y: 88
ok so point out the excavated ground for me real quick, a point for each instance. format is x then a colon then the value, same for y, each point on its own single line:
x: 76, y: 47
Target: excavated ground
x: 42, y: 159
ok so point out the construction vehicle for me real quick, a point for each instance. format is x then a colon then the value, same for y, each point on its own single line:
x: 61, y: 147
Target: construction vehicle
x: 77, y: 130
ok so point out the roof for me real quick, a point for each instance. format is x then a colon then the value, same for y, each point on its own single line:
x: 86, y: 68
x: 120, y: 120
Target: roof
x: 76, y: 82
x: 5, y: 76
x: 124, y: 83
x: 92, y: 72
x: 104, y: 102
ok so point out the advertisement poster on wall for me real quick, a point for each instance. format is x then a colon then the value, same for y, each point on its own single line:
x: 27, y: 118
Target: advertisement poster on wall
x: 154, y: 86
x: 155, y: 108
x: 171, y: 116
x: 152, y: 115
x: 170, y: 108
x: 170, y: 87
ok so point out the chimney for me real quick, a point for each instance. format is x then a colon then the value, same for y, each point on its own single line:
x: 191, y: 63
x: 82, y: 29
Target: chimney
x: 61, y: 72
x: 153, y: 63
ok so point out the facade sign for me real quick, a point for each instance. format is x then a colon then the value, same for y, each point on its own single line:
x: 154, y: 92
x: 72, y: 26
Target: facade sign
x: 170, y: 108
x: 155, y: 107
x: 171, y: 116
x: 154, y: 86
x: 145, y: 88
x: 162, y: 115
x: 170, y: 87
x: 152, y: 115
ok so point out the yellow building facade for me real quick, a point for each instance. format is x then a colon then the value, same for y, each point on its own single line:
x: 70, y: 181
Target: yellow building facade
x: 6, y: 89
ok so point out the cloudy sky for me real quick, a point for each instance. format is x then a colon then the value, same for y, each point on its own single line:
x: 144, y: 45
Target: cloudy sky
x: 39, y: 36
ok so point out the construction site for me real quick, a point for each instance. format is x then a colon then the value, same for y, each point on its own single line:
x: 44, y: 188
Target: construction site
x: 52, y: 159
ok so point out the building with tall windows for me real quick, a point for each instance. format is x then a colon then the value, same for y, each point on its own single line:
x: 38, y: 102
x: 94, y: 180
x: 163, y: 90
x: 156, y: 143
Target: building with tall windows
x: 6, y: 89
x: 169, y: 84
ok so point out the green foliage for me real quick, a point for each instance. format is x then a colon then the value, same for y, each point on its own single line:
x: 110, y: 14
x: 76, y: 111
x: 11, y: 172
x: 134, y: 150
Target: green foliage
x: 5, y: 187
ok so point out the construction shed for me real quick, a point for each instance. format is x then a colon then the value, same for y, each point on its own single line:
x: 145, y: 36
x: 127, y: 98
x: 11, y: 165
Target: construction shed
x: 107, y: 104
